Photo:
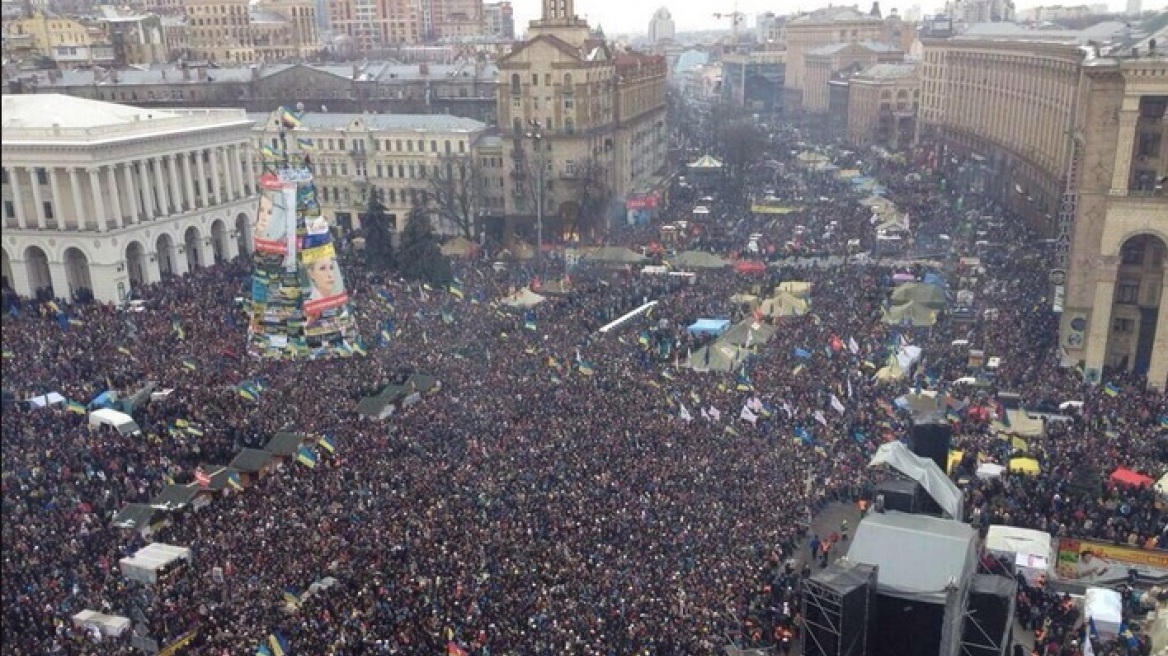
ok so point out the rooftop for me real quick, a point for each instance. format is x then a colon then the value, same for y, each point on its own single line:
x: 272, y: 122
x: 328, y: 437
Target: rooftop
x: 1100, y: 32
x: 872, y: 46
x: 888, y: 72
x: 381, y: 122
x: 39, y: 111
x: 49, y: 118
x: 836, y: 15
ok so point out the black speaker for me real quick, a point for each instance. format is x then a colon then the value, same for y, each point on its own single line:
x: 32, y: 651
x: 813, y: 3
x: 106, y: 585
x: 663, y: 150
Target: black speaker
x: 930, y: 439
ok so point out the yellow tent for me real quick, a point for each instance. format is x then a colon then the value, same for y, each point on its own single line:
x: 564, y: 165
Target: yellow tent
x: 1027, y: 466
x: 458, y: 247
x: 954, y: 460
x: 889, y: 373
x: 744, y: 299
x: 783, y: 304
x: 795, y: 288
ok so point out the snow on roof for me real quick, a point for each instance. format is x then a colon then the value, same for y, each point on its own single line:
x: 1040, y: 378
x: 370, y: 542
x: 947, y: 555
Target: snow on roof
x: 387, y: 122
x: 48, y: 110
x: 871, y: 46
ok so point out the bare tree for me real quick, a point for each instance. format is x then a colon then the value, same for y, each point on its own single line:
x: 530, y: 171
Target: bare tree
x: 455, y: 187
x: 592, y: 193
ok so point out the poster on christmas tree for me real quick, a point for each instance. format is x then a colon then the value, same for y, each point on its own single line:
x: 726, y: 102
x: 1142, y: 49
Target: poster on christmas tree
x: 300, y: 308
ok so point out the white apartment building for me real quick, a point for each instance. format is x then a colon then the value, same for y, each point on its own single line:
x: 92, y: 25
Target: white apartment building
x: 105, y: 197
x: 353, y: 153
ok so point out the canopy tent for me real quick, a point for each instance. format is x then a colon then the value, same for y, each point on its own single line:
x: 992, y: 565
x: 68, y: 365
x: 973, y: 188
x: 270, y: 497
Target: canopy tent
x: 615, y: 255
x: 251, y: 461
x: 784, y: 304
x: 796, y: 288
x: 138, y: 517
x: 121, y: 421
x: 1032, y: 552
x: 918, y: 292
x: 459, y: 247
x: 810, y: 159
x: 718, y: 357
x: 749, y: 331
x: 175, y: 497
x: 148, y: 561
x: 705, y: 163
x: 1125, y: 476
x: 285, y: 444
x: 913, y: 315
x: 109, y: 626
x: 709, y: 327
x: 1027, y: 466
x: 877, y: 201
x: 517, y: 251
x: 848, y: 174
x: 1104, y: 608
x: 524, y: 298
x: 698, y: 260
x: 919, y: 403
x: 924, y: 471
x: 46, y: 400
x: 422, y: 383
x: 381, y: 405
x: 989, y: 470
x: 1162, y: 484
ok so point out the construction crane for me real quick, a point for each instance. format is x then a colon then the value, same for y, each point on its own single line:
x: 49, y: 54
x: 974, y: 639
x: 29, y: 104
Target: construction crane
x: 736, y: 18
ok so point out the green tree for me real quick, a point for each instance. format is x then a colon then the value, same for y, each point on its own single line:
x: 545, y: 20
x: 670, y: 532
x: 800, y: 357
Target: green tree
x: 379, y: 254
x: 419, y: 255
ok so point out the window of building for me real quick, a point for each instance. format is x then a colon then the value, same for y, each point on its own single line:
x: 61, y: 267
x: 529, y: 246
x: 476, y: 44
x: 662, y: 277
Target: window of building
x: 411, y: 172
x: 324, y: 194
x: 1128, y: 292
x: 399, y: 145
x: 392, y: 195
x: 516, y: 86
x: 433, y: 145
x: 340, y: 144
x: 9, y: 209
x: 48, y: 207
x: 42, y: 176
x: 535, y: 79
x: 421, y: 145
x: 547, y: 79
x: 409, y: 146
x: 1133, y: 252
x: 448, y: 147
x: 344, y: 169
x: 401, y: 171
x: 569, y: 126
x: 376, y: 146
x: 570, y: 168
x: 1121, y: 325
x: 330, y: 144
x: 1149, y: 144
x: 462, y: 146
x: 4, y: 176
x: 380, y: 171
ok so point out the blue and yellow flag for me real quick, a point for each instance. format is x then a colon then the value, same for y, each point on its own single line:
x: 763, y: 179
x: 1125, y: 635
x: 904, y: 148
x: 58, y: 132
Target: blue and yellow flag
x: 529, y: 321
x: 190, y: 365
x: 195, y: 430
x: 1111, y: 389
x: 290, y: 597
x: 585, y: 368
x: 326, y: 443
x: 278, y: 644
x: 306, y: 144
x: 456, y: 292
x: 247, y: 394
x: 262, y: 650
x: 306, y: 457
x: 123, y: 350
x: 235, y: 481
x: 75, y: 407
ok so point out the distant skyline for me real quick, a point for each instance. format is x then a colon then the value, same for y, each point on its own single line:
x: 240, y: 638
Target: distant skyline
x: 624, y: 17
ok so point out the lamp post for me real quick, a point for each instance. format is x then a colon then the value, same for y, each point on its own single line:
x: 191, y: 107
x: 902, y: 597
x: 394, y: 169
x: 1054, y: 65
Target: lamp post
x: 535, y: 133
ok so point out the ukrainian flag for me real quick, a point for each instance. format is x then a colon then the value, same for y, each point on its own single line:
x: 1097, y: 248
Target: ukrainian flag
x: 234, y: 481
x: 247, y: 394
x: 585, y: 368
x: 1110, y: 389
x: 189, y: 365
x: 181, y: 423
x: 426, y: 286
x: 262, y: 650
x: 76, y: 322
x: 306, y: 457
x: 643, y: 339
x: 168, y: 479
x: 730, y: 430
x: 306, y: 144
x: 267, y: 151
x: 279, y: 644
x: 123, y: 350
x: 385, y: 335
x: 359, y: 348
x: 456, y: 292
x: 796, y: 370
x: 192, y: 430
x: 326, y: 443
x: 75, y: 407
x: 290, y: 597
x: 1164, y: 421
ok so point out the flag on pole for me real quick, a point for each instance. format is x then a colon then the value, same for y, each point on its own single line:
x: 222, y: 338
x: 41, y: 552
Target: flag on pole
x: 818, y: 415
x: 715, y: 414
x: 837, y: 405
x: 326, y: 443
x: 75, y: 407
x: 685, y: 415
x: 1111, y: 389
x: 306, y: 457
x: 290, y: 597
x: 278, y: 644
x: 747, y: 415
x: 586, y: 368
x: 853, y: 345
x: 190, y: 365
x: 234, y: 481
x: 804, y: 435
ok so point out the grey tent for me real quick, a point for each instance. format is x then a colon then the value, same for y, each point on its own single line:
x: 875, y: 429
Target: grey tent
x: 380, y: 405
x: 615, y: 255
x: 219, y: 476
x: 138, y: 516
x: 918, y: 292
x: 698, y: 260
x: 175, y: 497
x: 421, y: 383
x: 784, y: 304
x: 284, y: 444
x: 748, y: 331
x: 250, y: 461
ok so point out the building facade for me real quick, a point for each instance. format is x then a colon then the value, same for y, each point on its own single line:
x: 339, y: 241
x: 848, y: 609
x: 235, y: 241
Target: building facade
x: 499, y: 20
x: 585, y: 126
x: 107, y: 198
x: 238, y: 32
x: 395, y: 154
x: 882, y: 105
x: 1075, y: 140
x: 825, y: 27
x: 754, y: 80
x: 65, y: 41
x: 826, y: 63
x: 661, y: 26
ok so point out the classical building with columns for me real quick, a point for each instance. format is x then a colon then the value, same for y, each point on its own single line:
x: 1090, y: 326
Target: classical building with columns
x: 106, y: 198
x: 1074, y: 138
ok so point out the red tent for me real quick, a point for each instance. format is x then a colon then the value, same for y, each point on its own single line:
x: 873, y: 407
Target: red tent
x: 750, y: 266
x: 1125, y: 476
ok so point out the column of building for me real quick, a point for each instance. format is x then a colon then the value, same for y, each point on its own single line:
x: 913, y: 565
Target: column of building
x: 1158, y: 367
x: 1100, y: 329
x: 1125, y: 145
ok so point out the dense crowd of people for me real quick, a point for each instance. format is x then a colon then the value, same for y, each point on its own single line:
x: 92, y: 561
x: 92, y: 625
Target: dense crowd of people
x: 533, y: 505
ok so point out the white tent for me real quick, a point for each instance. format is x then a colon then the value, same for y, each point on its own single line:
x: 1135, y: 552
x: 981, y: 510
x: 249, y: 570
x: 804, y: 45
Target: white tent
x: 1106, y: 608
x: 1021, y: 424
x: 1162, y: 485
x: 524, y: 298
x: 145, y: 565
x: 46, y: 400
x: 924, y: 471
x: 110, y: 626
x: 988, y: 470
x: 123, y: 422
x: 1031, y: 551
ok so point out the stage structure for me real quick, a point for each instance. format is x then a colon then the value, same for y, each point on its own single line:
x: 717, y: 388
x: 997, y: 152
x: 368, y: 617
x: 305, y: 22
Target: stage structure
x: 837, y: 603
x: 299, y: 304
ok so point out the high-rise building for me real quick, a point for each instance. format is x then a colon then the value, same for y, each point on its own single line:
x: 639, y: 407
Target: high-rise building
x: 499, y: 20
x: 1074, y: 139
x: 236, y: 31
x: 661, y: 26
x: 376, y: 24
x: 829, y: 26
x: 140, y: 194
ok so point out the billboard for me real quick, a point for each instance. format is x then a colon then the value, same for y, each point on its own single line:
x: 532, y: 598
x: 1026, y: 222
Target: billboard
x: 1092, y: 562
x: 274, y: 230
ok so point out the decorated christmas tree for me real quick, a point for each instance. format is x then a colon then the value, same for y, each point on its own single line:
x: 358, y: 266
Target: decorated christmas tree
x: 299, y: 305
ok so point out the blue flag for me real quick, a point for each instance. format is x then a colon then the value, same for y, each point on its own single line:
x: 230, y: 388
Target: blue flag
x: 802, y: 353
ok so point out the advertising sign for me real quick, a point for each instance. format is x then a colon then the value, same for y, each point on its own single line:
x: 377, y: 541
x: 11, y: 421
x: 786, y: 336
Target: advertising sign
x: 1092, y: 562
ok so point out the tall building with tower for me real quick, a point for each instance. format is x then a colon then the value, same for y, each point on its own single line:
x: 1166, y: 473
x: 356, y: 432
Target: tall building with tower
x: 661, y: 27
